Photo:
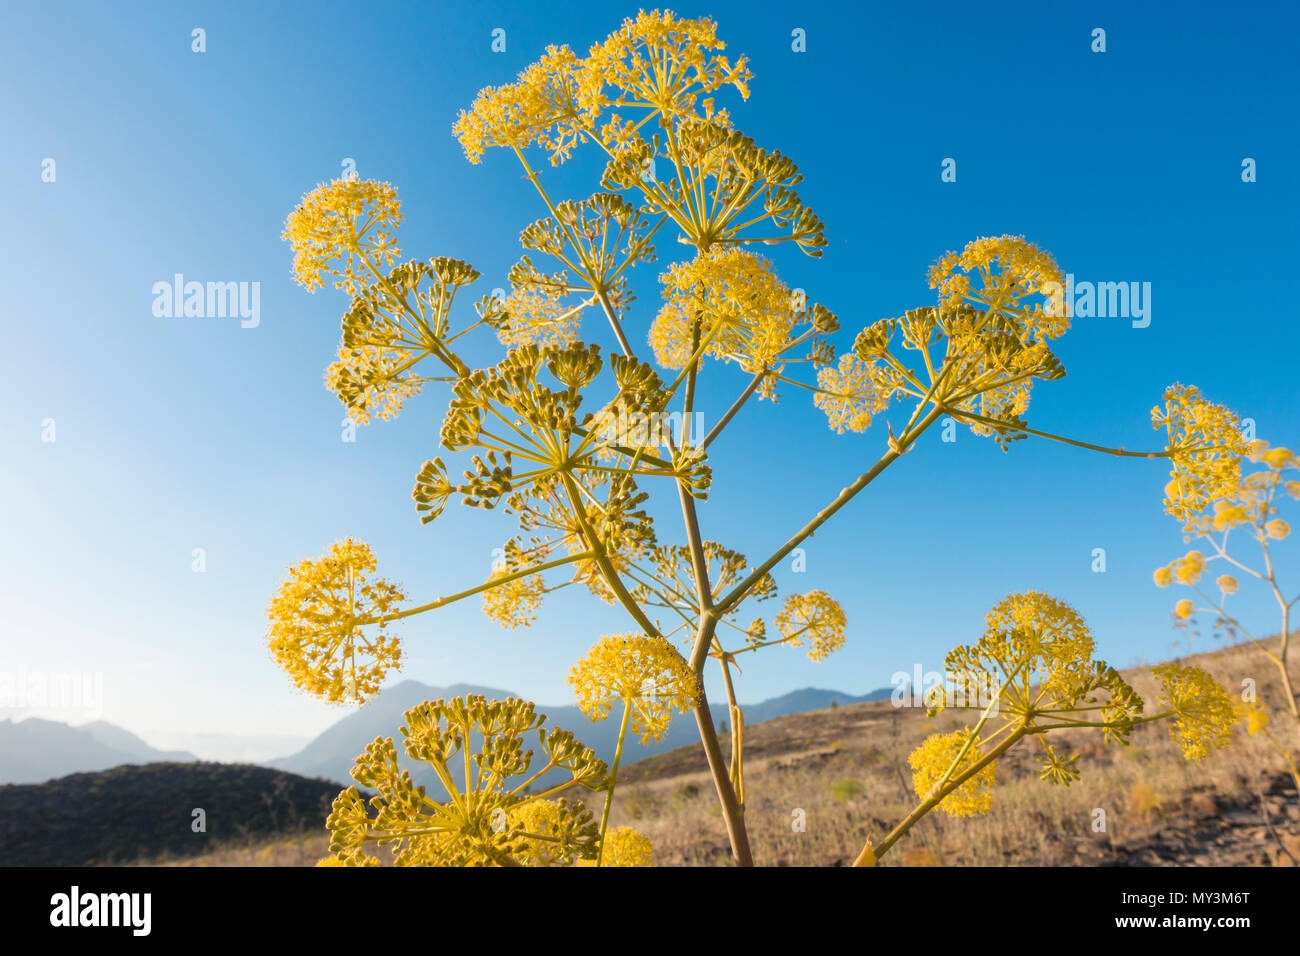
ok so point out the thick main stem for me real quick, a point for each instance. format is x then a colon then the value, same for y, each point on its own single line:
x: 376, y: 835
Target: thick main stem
x: 732, y: 812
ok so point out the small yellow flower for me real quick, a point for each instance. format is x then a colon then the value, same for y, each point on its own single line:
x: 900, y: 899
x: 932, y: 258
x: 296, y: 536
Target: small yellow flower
x: 539, y: 314
x: 1227, y: 584
x: 1256, y: 718
x: 370, y: 381
x: 1189, y: 568
x: 545, y: 829
x: 1040, y: 625
x: 647, y: 672
x: 663, y: 62
x: 1204, y: 713
x: 1277, y: 528
x: 539, y: 108
x: 1229, y: 514
x: 1279, y: 458
x: 515, y: 603
x: 349, y: 858
x: 1034, y: 640
x: 1163, y: 576
x: 931, y: 761
x: 318, y: 619
x: 1184, y: 608
x: 624, y: 847
x: 817, y: 617
x: 851, y: 393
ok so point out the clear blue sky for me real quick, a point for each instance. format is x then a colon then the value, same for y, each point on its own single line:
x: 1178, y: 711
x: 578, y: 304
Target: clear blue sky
x: 175, y: 434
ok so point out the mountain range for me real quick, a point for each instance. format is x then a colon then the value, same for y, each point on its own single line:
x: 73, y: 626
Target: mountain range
x: 331, y: 755
x: 36, y: 750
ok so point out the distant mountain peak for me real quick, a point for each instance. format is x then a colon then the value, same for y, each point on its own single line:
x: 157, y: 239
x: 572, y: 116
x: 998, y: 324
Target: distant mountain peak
x: 35, y: 750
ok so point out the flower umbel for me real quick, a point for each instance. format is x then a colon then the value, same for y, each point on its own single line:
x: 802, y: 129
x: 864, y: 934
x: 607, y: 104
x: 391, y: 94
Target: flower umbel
x: 476, y: 749
x: 514, y: 603
x: 1206, y: 450
x: 815, y: 617
x: 1204, y: 711
x: 1010, y: 270
x: 327, y: 627
x: 646, y: 672
x: 339, y: 223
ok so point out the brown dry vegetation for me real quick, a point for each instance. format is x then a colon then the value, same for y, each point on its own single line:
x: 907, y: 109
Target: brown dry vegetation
x: 846, y: 770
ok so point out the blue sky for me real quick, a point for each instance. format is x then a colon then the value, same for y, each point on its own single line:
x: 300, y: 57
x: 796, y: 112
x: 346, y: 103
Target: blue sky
x: 176, y: 434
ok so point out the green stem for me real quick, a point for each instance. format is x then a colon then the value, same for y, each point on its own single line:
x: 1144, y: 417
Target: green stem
x: 1012, y: 426
x: 494, y: 582
x: 735, y: 407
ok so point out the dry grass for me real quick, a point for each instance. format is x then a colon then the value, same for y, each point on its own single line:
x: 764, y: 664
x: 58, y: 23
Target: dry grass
x: 300, y: 850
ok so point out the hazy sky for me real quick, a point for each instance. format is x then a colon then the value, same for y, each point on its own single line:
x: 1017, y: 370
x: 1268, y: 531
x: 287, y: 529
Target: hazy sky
x: 173, y: 434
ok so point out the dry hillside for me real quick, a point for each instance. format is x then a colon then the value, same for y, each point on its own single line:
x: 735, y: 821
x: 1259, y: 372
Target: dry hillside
x: 846, y: 769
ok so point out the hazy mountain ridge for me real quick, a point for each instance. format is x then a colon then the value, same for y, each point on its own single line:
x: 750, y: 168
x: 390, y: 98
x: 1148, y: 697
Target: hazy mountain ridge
x: 331, y: 755
x: 255, y: 747
x: 35, y: 750
x: 119, y: 738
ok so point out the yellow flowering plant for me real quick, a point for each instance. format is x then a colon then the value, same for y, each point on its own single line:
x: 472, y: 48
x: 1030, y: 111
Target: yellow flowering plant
x: 572, y: 442
x: 1229, y: 509
x: 1031, y: 673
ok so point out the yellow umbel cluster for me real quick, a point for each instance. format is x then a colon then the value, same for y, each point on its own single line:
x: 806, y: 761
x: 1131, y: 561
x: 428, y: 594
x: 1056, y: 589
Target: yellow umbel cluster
x: 327, y: 627
x: 646, y: 672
